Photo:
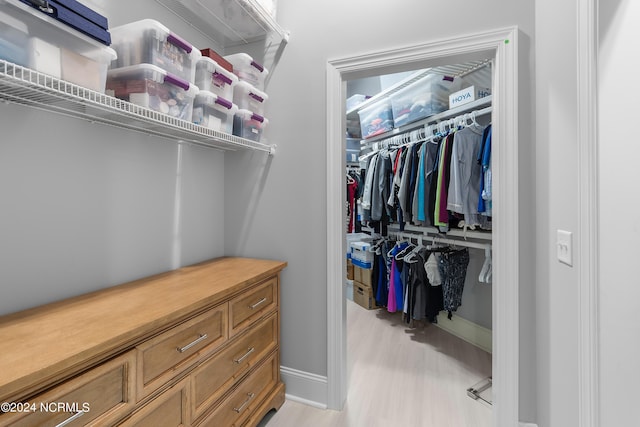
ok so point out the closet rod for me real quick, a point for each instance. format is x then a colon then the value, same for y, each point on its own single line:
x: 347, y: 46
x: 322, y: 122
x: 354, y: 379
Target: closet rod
x: 434, y: 239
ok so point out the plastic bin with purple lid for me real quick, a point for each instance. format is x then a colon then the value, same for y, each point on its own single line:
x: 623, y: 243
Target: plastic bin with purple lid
x: 213, y: 111
x: 247, y: 97
x: 152, y: 87
x: 212, y: 77
x: 149, y: 42
x: 248, y: 70
x: 249, y: 125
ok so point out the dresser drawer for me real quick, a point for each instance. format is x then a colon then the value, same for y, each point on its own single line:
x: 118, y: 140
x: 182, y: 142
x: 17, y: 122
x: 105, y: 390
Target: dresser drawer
x: 168, y: 354
x: 251, y: 305
x: 218, y: 374
x: 170, y: 409
x: 100, y: 396
x: 236, y: 408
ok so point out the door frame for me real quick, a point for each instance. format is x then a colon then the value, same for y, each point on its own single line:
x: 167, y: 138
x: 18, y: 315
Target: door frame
x: 588, y: 255
x: 503, y: 45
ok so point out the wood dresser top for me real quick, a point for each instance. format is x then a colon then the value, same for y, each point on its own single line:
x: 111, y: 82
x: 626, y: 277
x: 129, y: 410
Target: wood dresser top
x: 48, y: 343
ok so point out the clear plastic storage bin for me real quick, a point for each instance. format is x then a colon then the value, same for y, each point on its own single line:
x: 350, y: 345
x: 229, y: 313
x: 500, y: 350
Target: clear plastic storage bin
x: 14, y: 36
x: 247, y: 97
x: 213, y: 78
x: 249, y: 125
x: 355, y: 100
x: 149, y: 42
x: 48, y: 46
x: 248, y: 70
x: 213, y: 112
x: 423, y: 98
x: 152, y: 87
x: 376, y: 119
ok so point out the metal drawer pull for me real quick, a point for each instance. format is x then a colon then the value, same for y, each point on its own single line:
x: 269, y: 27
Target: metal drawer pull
x: 251, y: 350
x: 246, y: 402
x: 258, y: 303
x: 71, y: 419
x: 188, y: 346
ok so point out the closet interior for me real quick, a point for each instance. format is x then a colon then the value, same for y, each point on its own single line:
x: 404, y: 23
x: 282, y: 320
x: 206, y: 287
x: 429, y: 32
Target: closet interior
x: 418, y: 200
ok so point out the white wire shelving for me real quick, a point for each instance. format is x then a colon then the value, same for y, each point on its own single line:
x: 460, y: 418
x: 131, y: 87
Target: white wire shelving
x: 41, y: 91
x: 230, y: 22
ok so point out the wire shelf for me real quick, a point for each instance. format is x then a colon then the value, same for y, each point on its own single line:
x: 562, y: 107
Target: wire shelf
x: 41, y: 91
x: 230, y: 23
x: 457, y: 70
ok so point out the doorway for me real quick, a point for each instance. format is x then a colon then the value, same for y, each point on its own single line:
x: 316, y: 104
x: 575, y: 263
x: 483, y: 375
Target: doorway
x: 502, y: 46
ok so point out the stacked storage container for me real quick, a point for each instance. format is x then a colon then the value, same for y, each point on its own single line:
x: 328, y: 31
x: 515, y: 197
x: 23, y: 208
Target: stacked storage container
x: 423, y: 98
x: 376, y: 118
x: 249, y: 122
x: 249, y: 125
x: 150, y: 86
x: 213, y: 107
x: 71, y: 44
x: 155, y: 68
x: 248, y: 70
x: 212, y: 77
x: 214, y: 112
x: 247, y: 97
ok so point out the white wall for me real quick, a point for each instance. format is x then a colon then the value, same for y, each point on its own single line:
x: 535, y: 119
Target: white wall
x: 619, y: 212
x: 556, y: 154
x: 86, y: 206
x: 282, y: 214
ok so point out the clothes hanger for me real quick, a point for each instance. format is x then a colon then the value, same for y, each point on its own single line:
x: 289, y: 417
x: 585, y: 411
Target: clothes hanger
x: 485, y: 273
x: 350, y: 179
x: 400, y: 255
x: 412, y: 256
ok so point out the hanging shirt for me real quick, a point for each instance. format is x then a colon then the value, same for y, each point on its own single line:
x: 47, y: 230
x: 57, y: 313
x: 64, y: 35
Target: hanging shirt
x: 432, y: 271
x: 405, y: 183
x: 442, y: 216
x: 352, y: 189
x: 380, y: 187
x: 433, y: 185
x: 484, y: 199
x: 418, y: 198
x: 368, y: 186
x: 465, y: 174
x: 396, y: 294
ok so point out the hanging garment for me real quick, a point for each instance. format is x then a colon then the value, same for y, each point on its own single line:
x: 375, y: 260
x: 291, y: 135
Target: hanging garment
x: 433, y: 184
x: 416, y: 300
x: 382, y: 291
x: 352, y: 191
x: 441, y: 214
x: 380, y: 187
x: 396, y: 295
x: 484, y: 157
x: 412, y: 181
x: 453, y: 269
x: 405, y: 184
x: 466, y: 174
x: 432, y: 271
x: 368, y: 186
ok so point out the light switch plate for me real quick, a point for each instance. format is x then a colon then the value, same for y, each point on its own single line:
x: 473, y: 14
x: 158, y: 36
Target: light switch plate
x: 564, y: 245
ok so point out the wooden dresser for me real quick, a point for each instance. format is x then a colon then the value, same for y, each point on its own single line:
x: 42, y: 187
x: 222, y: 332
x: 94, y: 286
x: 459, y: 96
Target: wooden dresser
x: 197, y: 346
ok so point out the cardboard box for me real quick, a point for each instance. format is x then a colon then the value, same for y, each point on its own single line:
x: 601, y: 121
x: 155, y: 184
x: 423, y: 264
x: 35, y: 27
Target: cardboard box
x: 363, y: 296
x: 350, y: 270
x: 363, y: 275
x: 210, y: 53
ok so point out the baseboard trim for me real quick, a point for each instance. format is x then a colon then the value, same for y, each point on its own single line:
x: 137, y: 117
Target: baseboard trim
x: 528, y: 425
x: 467, y: 330
x: 304, y: 387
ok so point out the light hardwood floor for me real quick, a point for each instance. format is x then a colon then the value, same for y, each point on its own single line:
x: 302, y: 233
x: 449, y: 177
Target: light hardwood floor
x: 400, y: 376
